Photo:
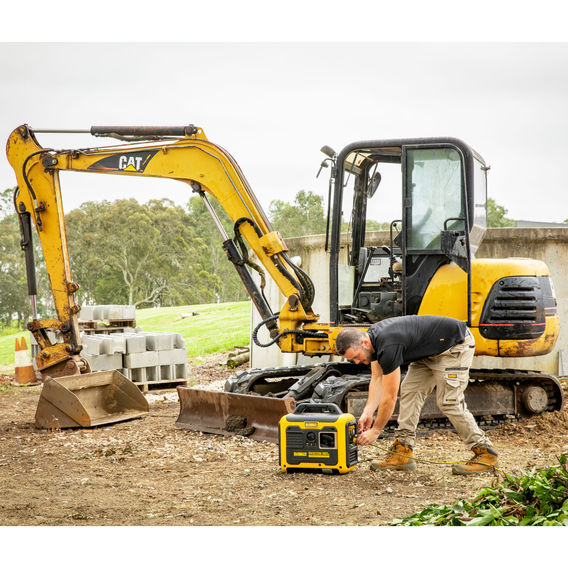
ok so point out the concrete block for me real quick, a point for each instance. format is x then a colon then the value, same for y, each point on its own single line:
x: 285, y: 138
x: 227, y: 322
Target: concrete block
x: 91, y: 345
x: 86, y: 313
x: 181, y: 371
x: 137, y: 375
x: 118, y: 341
x: 152, y: 373
x: 135, y: 343
x: 166, y: 372
x: 97, y: 344
x: 129, y: 312
x: 159, y: 341
x: 106, y: 345
x: 173, y: 372
x: 107, y: 312
x: 172, y: 357
x: 138, y: 360
x: 114, y: 312
x: 98, y: 312
x: 104, y: 362
x: 179, y: 341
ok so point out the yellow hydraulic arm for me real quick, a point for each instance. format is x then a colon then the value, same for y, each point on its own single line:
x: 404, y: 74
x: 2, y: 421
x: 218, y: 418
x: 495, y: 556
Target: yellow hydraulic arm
x: 182, y: 154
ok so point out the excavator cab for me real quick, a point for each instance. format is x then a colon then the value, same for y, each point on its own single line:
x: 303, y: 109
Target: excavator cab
x: 436, y: 224
x: 430, y: 194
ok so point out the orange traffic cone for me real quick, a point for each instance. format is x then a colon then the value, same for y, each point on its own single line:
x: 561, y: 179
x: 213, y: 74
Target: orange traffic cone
x: 24, y: 369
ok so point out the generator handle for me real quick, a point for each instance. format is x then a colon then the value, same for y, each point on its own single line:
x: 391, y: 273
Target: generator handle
x: 317, y: 407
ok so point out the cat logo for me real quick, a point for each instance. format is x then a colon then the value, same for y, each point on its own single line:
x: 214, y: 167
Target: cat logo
x: 130, y: 163
x: 135, y: 162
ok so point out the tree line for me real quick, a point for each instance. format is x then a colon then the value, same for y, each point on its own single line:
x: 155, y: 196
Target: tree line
x: 152, y: 254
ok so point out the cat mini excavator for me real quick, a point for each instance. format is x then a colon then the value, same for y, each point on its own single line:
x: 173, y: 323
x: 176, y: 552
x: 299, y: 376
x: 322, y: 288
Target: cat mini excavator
x: 428, y: 267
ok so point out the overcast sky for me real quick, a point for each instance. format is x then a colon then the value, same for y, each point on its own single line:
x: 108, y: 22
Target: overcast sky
x: 273, y: 105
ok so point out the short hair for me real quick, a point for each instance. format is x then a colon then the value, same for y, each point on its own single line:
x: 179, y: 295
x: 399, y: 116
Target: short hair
x: 348, y: 337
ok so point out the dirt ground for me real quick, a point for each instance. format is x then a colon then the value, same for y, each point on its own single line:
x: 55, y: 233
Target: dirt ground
x: 147, y: 472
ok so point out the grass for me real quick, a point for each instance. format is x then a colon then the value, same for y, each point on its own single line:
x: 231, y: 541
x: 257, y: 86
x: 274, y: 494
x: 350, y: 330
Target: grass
x: 7, y: 348
x: 214, y: 328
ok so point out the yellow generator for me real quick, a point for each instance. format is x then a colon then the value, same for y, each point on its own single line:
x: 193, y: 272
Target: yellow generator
x: 318, y: 437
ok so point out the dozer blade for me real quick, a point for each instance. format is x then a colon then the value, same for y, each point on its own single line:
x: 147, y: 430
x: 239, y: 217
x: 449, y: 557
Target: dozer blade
x: 91, y: 399
x: 232, y: 414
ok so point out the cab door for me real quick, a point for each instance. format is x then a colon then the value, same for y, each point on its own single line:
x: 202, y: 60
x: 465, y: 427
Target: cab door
x: 436, y: 220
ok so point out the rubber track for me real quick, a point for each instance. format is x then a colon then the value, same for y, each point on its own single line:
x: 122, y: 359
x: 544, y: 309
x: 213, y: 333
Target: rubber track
x: 488, y: 376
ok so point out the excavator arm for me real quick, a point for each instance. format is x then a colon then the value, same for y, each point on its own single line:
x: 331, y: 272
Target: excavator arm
x: 182, y: 154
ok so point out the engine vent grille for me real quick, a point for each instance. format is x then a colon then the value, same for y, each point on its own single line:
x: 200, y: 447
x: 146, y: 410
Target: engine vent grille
x: 515, y: 309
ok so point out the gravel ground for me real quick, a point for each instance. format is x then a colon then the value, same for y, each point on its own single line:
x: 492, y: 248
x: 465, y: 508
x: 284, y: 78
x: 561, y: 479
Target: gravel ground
x: 147, y: 472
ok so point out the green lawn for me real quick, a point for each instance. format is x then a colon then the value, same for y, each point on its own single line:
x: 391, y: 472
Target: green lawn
x: 215, y: 328
x: 7, y: 348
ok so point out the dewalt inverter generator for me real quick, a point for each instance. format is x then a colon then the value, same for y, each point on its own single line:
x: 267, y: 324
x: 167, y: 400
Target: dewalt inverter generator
x: 318, y: 436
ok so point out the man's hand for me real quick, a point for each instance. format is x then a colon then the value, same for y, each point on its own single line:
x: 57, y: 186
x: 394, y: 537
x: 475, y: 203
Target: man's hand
x: 365, y: 421
x: 368, y: 437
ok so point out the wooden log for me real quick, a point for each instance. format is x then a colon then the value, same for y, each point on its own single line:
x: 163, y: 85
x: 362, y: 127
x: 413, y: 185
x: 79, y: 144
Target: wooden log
x: 236, y: 360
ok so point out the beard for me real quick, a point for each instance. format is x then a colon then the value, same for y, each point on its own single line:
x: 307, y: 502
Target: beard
x: 367, y: 353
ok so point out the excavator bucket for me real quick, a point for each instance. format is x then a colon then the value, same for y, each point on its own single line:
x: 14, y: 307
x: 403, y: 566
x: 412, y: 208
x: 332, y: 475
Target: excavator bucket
x: 91, y: 399
x: 232, y: 414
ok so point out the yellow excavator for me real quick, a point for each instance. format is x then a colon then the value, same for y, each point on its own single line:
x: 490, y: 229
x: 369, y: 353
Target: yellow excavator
x: 428, y: 267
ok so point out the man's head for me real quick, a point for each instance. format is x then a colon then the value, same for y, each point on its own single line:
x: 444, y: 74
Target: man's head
x: 355, y: 345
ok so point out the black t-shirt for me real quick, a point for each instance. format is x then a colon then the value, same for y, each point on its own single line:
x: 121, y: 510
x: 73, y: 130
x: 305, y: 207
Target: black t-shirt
x: 402, y: 340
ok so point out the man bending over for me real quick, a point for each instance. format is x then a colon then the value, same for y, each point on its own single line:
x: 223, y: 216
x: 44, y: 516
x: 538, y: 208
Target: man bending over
x: 439, y: 352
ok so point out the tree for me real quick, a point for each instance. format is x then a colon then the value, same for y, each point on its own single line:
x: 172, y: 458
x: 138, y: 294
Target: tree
x: 305, y: 216
x: 496, y: 215
x: 231, y: 288
x: 124, y: 252
x: 14, y: 302
x: 12, y: 287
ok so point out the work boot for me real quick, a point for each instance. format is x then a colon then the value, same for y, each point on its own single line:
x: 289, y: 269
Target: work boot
x: 398, y: 457
x: 485, y: 459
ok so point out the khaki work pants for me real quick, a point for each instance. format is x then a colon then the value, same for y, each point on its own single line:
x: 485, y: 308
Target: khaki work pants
x: 448, y: 373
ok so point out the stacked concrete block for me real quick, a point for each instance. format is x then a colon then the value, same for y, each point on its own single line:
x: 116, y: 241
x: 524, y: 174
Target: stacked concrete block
x: 164, y: 357
x: 107, y: 312
x: 142, y: 357
x: 142, y: 367
x: 104, y: 352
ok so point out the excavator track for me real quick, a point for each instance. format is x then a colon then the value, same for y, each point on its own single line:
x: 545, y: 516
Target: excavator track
x: 494, y: 396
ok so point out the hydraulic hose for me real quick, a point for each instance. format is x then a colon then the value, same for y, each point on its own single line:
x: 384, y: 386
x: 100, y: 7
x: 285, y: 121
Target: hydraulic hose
x: 304, y: 286
x: 298, y: 332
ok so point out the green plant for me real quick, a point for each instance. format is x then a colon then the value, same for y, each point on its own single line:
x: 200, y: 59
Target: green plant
x: 539, y: 498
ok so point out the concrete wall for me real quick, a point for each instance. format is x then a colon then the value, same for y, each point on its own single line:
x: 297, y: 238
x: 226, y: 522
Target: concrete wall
x: 547, y: 244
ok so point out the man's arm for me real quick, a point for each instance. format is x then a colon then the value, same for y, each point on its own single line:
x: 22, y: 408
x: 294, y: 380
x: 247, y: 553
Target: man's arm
x: 373, y: 397
x: 384, y: 396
